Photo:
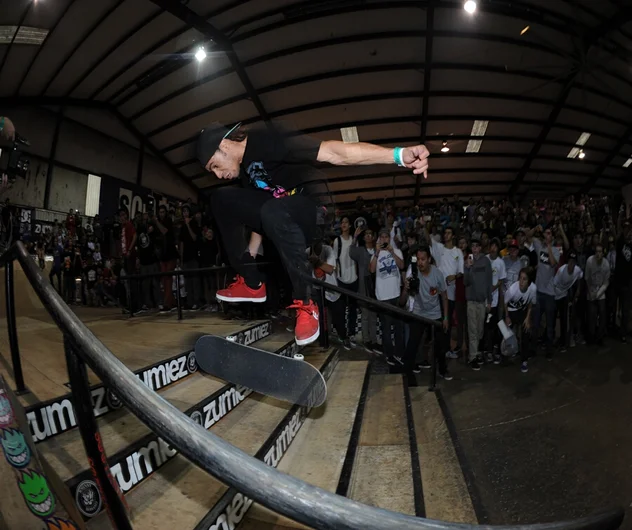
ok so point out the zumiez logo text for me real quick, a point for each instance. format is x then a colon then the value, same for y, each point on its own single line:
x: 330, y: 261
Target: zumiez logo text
x: 166, y: 373
x: 59, y: 416
x: 249, y: 336
x: 129, y: 471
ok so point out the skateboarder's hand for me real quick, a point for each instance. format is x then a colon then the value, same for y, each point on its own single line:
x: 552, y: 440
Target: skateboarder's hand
x: 508, y: 321
x: 526, y: 325
x: 416, y: 157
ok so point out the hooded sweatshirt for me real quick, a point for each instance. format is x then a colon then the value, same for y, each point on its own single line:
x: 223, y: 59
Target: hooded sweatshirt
x: 478, y: 281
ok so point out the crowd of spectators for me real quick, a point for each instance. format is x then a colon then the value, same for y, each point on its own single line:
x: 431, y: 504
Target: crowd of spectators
x: 546, y: 260
x: 89, y: 257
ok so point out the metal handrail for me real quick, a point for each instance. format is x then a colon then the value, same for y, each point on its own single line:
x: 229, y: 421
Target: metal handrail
x: 277, y: 491
x: 372, y: 302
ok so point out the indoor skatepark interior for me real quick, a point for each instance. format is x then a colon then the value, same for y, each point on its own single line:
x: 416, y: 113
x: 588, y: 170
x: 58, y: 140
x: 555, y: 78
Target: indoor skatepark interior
x: 477, y: 450
x: 524, y: 108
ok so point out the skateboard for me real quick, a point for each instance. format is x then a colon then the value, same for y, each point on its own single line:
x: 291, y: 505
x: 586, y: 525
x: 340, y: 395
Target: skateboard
x: 286, y: 378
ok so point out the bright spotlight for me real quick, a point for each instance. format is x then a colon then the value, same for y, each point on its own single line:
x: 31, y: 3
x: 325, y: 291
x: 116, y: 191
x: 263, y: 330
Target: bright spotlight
x: 470, y: 6
x: 581, y: 154
x: 200, y: 54
x: 445, y: 148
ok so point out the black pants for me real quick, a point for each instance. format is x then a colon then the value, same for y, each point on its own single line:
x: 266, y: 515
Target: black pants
x: 55, y: 274
x: 336, y: 310
x: 387, y: 320
x: 562, y: 311
x: 289, y: 222
x: 524, y: 337
x: 351, y: 306
x: 417, y: 330
x: 492, y: 333
x: 597, y: 319
x: 625, y: 300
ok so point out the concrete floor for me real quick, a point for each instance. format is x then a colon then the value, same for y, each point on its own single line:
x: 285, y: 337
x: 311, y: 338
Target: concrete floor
x: 552, y: 444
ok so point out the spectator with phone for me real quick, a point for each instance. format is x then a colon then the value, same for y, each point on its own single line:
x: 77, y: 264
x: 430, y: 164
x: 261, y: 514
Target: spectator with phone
x: 386, y: 264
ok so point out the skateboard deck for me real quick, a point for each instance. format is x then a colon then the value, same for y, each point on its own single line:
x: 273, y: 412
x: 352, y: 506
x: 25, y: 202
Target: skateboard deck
x: 284, y: 378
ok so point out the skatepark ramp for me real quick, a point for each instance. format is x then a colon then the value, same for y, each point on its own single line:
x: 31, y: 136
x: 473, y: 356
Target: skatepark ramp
x: 247, y: 477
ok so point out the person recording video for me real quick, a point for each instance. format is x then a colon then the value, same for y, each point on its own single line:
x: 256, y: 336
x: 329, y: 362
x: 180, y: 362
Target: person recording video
x: 426, y: 290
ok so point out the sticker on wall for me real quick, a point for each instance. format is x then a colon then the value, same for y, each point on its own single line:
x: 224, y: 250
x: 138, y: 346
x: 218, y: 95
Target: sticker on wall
x: 16, y: 450
x: 37, y: 495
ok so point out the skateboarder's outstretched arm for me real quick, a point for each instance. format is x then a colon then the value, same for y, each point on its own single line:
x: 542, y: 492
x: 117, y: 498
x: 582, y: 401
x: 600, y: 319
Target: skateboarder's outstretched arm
x: 340, y: 153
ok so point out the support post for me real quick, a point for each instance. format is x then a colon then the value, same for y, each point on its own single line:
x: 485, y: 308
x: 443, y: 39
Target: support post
x: 178, y: 298
x: 12, y: 329
x: 433, y: 375
x: 51, y: 159
x: 322, y: 321
x: 111, y: 495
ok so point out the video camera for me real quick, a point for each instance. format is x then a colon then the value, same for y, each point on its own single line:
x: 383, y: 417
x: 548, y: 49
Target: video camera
x: 17, y: 164
x: 413, y: 281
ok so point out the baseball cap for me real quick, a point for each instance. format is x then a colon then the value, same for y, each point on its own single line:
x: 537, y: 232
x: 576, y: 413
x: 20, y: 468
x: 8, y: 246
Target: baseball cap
x: 209, y: 140
x: 513, y: 243
x: 475, y: 241
x: 384, y: 231
x: 571, y: 255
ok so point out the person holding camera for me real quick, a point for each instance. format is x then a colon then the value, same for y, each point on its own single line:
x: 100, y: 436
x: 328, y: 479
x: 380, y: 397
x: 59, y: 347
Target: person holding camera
x: 386, y: 264
x: 426, y: 287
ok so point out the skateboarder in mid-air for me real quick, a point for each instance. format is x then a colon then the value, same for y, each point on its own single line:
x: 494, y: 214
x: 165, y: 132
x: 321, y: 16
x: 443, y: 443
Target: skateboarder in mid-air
x: 280, y: 198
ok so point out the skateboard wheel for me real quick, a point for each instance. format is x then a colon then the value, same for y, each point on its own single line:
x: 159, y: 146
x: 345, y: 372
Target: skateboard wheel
x: 298, y: 357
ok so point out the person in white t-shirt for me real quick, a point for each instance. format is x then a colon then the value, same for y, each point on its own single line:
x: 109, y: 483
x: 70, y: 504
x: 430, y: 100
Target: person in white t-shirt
x: 518, y: 301
x: 499, y: 275
x: 567, y: 287
x: 323, y: 260
x: 386, y: 264
x: 449, y: 260
x: 347, y: 272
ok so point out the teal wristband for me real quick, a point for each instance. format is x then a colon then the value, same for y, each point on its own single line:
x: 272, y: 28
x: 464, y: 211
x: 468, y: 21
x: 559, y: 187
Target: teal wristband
x: 2, y: 123
x: 397, y: 156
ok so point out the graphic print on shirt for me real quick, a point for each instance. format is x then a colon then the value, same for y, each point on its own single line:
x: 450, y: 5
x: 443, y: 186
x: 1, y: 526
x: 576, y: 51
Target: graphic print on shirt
x: 386, y: 265
x: 517, y: 300
x: 260, y: 179
x: 544, y: 256
x: 627, y: 252
x: 92, y: 275
x: 143, y: 240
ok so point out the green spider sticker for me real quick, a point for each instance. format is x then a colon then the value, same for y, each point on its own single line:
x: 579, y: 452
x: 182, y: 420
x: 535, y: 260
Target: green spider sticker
x: 36, y: 493
x: 16, y: 450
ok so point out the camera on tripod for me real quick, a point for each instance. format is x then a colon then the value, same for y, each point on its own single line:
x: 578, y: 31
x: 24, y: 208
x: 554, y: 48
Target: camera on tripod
x: 17, y: 164
x: 413, y: 281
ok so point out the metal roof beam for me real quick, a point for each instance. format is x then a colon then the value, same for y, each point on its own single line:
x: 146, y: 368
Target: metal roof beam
x: 194, y: 20
x: 25, y: 13
x: 78, y: 45
x: 592, y: 38
x: 414, y: 119
x: 143, y: 140
x: 41, y: 46
x: 625, y: 137
x: 426, y: 89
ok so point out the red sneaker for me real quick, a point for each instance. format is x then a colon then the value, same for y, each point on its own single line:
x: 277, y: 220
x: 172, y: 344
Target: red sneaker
x: 306, y: 330
x: 238, y: 291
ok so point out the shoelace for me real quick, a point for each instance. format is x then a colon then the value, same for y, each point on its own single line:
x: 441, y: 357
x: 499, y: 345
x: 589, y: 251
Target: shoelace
x: 238, y: 280
x: 299, y: 305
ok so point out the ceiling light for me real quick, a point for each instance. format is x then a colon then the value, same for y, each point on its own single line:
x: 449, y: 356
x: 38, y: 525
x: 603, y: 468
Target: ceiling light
x: 470, y: 6
x: 349, y: 135
x: 524, y: 30
x: 445, y: 148
x: 581, y: 141
x: 627, y: 162
x: 200, y: 54
x: 478, y: 129
x: 581, y: 154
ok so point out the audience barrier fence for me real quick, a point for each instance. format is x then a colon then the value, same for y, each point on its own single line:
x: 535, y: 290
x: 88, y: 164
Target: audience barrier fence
x: 277, y: 491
